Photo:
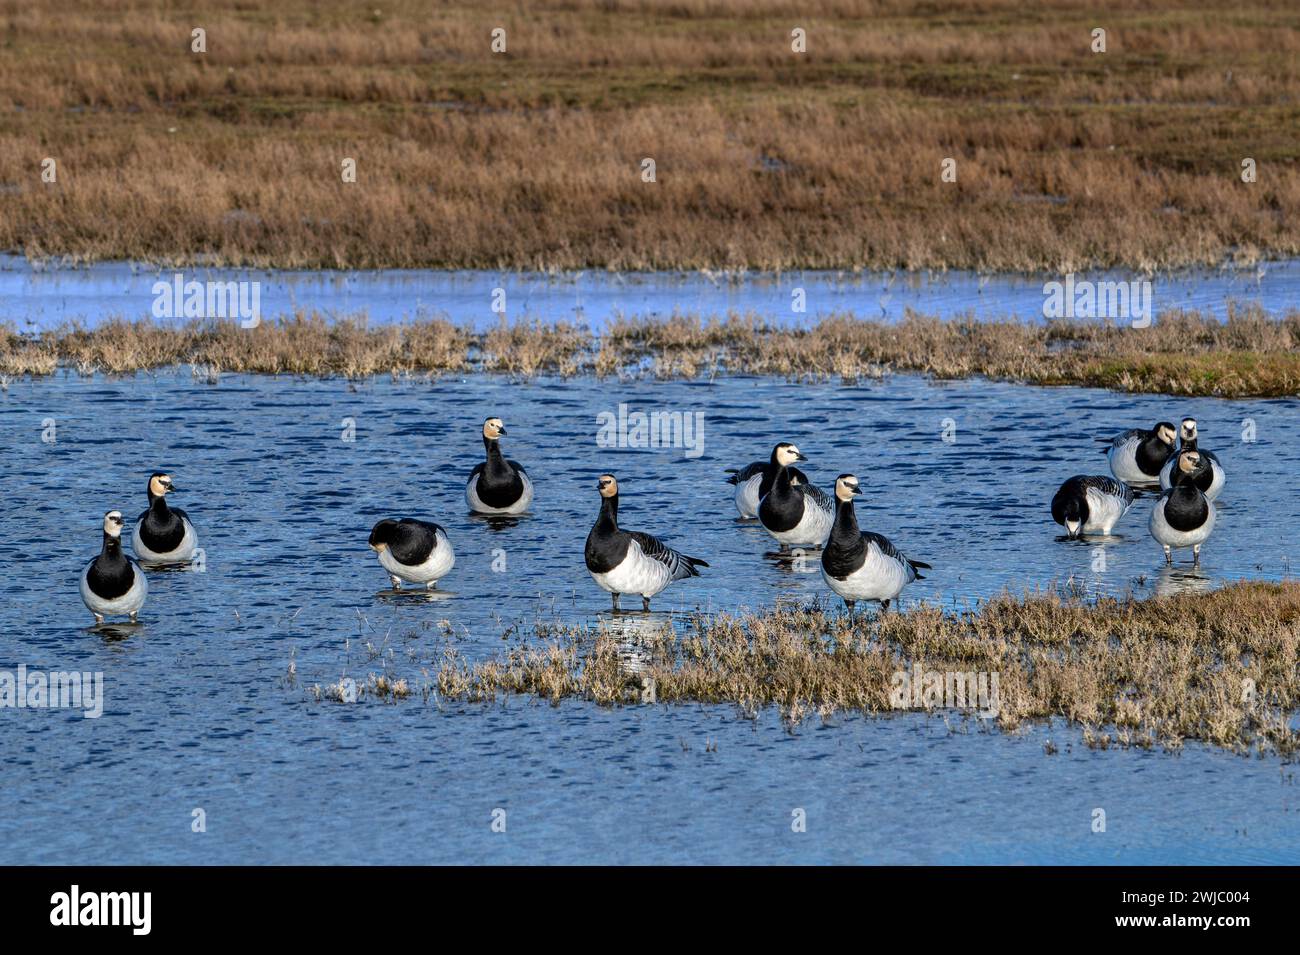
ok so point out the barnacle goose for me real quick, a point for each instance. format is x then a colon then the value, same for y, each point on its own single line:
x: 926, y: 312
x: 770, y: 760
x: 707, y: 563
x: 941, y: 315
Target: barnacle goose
x: 163, y: 535
x: 795, y: 514
x: 1137, y: 455
x: 860, y: 565
x: 113, y: 584
x: 754, y: 480
x: 631, y: 562
x: 1091, y: 505
x: 1183, y: 516
x: 497, y: 486
x: 1210, y: 481
x: 412, y: 550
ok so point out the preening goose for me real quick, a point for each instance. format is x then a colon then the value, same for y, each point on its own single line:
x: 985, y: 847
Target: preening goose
x: 412, y: 550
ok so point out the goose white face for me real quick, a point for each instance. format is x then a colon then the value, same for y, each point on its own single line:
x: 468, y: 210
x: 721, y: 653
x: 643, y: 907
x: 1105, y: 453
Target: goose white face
x: 1189, y: 429
x: 1166, y: 434
x: 608, y: 485
x: 160, y: 484
x: 787, y: 454
x: 493, y: 428
x: 1188, y: 462
x: 846, y: 485
x: 113, y: 523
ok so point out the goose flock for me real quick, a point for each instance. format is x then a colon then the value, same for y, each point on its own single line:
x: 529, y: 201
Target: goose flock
x: 113, y: 584
x: 1185, y: 478
x: 856, y: 565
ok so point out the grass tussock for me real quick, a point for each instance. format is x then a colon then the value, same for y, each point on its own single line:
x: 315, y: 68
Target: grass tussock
x: 1219, y: 668
x: 1251, y: 354
x: 531, y: 159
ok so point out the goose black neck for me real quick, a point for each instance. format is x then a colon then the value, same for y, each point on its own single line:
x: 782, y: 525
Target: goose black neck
x: 112, y: 546
x: 782, y: 479
x: 496, y: 467
x: 608, y: 519
x: 158, y: 505
x: 846, y: 520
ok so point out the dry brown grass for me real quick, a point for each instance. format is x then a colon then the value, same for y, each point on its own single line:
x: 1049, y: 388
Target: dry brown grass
x: 1066, y: 159
x: 1251, y: 354
x: 1221, y: 668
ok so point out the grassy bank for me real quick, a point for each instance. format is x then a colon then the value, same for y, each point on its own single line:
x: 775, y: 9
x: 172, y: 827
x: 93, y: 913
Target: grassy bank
x: 1252, y: 354
x: 1219, y: 668
x: 765, y: 158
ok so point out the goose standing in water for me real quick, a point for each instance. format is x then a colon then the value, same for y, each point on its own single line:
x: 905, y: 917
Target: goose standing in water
x: 1091, y: 505
x: 113, y: 584
x: 1182, y: 516
x: 631, y: 562
x: 795, y: 514
x: 497, y: 486
x: 1211, y: 480
x: 1137, y: 455
x: 860, y: 565
x: 163, y: 535
x: 753, y: 482
x: 412, y: 550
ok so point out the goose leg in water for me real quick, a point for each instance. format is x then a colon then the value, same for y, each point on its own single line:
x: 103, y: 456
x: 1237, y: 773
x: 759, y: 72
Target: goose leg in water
x: 99, y: 619
x: 884, y: 605
x: 615, y: 596
x: 133, y: 613
x: 645, y: 604
x: 1196, y: 555
x: 1169, y: 555
x: 397, y: 582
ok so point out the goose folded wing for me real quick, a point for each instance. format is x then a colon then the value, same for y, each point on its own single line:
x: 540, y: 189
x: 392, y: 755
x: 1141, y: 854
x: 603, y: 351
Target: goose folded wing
x: 741, y: 475
x: 811, y: 492
x: 886, y: 547
x: 1110, y: 486
x: 679, y: 565
x: 1132, y: 434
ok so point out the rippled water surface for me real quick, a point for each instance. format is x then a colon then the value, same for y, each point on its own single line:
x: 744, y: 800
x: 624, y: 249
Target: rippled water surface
x: 37, y: 297
x: 202, y: 711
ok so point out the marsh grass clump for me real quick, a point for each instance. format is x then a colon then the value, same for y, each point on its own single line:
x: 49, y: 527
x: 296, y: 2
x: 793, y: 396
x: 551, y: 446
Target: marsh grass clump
x: 1250, y: 354
x: 1221, y: 668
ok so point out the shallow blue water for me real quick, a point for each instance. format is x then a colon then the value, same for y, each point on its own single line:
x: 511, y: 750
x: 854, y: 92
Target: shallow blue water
x: 35, y: 298
x: 201, y: 711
